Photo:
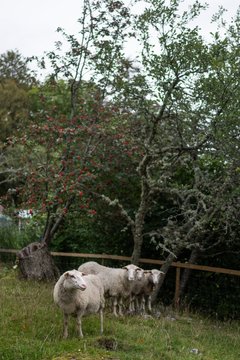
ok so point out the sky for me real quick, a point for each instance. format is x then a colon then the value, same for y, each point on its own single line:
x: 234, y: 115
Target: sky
x: 29, y: 26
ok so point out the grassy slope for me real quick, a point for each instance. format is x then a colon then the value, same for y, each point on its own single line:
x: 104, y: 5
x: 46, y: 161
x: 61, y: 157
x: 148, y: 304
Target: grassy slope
x: 31, y: 326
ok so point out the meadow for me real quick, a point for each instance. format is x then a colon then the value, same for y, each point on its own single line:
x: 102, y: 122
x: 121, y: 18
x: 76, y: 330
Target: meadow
x: 31, y: 329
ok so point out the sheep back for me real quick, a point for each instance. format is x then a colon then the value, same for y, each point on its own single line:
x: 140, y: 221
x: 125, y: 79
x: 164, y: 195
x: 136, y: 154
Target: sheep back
x: 91, y: 267
x: 112, y: 279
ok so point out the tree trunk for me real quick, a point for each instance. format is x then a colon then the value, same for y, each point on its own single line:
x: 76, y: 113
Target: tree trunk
x: 136, y: 254
x: 165, y: 267
x: 35, y: 262
x: 187, y: 272
x: 137, y: 229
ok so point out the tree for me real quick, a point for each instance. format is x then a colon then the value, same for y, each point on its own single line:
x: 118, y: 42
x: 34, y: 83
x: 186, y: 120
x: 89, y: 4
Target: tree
x: 16, y: 79
x: 13, y: 66
x: 193, y: 91
x: 60, y: 146
x: 163, y: 98
x: 14, y: 109
x: 169, y: 108
x: 217, y: 172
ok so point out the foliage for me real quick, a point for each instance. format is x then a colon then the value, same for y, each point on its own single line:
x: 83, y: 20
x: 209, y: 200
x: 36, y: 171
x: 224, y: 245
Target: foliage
x: 178, y: 126
x: 13, y: 103
x: 13, y: 66
x: 12, y: 238
x: 60, y: 175
x: 30, y: 332
x: 15, y: 237
x: 97, y: 233
x: 16, y: 78
x: 155, y: 138
x: 13, y: 121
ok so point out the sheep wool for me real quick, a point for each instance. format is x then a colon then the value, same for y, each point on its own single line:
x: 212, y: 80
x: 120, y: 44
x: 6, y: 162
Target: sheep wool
x: 79, y: 294
x: 117, y: 282
x: 149, y: 282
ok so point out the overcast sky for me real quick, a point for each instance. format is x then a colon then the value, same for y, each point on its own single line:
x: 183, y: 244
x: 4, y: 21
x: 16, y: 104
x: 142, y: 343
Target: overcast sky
x: 30, y: 25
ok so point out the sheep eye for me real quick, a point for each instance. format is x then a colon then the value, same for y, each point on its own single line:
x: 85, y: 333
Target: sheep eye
x: 72, y: 276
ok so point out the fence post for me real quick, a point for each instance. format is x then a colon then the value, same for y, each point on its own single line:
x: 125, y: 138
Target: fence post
x: 177, y: 288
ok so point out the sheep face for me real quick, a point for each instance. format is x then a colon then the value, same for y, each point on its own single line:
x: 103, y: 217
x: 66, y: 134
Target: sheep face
x: 74, y: 280
x: 156, y: 274
x: 131, y: 271
x: 140, y: 273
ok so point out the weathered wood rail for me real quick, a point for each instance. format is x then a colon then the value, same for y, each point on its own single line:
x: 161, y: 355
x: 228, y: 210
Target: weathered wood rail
x: 177, y: 265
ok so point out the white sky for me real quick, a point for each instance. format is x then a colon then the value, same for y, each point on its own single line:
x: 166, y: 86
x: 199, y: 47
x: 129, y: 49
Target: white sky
x: 30, y: 25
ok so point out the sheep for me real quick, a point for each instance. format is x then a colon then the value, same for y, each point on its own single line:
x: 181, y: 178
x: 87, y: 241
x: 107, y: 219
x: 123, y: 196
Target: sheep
x: 117, y: 282
x: 79, y: 294
x: 146, y: 287
x: 136, y: 289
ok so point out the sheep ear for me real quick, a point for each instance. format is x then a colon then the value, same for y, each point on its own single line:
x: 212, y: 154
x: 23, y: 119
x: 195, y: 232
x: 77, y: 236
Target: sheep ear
x: 82, y: 273
x: 124, y: 267
x: 66, y: 274
x: 162, y: 272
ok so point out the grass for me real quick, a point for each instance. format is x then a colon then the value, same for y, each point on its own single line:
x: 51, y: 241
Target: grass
x: 31, y: 328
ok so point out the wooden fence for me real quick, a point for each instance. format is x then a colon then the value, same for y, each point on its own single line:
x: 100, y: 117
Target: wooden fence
x: 177, y: 265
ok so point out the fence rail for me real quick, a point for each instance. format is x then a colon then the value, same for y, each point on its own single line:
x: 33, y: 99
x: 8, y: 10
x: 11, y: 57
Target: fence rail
x: 177, y: 265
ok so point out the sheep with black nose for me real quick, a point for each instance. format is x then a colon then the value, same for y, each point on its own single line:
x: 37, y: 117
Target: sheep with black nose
x: 117, y: 282
x: 79, y: 294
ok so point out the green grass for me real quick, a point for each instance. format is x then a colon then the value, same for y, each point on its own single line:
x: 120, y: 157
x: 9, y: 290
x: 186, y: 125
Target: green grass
x: 31, y: 328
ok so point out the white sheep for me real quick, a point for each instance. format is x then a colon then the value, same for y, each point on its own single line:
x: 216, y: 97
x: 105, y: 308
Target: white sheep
x: 79, y: 294
x: 146, y: 287
x: 136, y: 288
x: 117, y: 282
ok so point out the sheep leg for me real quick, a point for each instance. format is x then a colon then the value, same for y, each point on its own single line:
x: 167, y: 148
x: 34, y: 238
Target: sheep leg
x: 101, y: 321
x: 79, y: 325
x: 115, y: 303
x: 132, y: 303
x: 65, y: 325
x: 143, y: 301
x: 149, y: 304
x: 137, y: 304
x: 120, y: 306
